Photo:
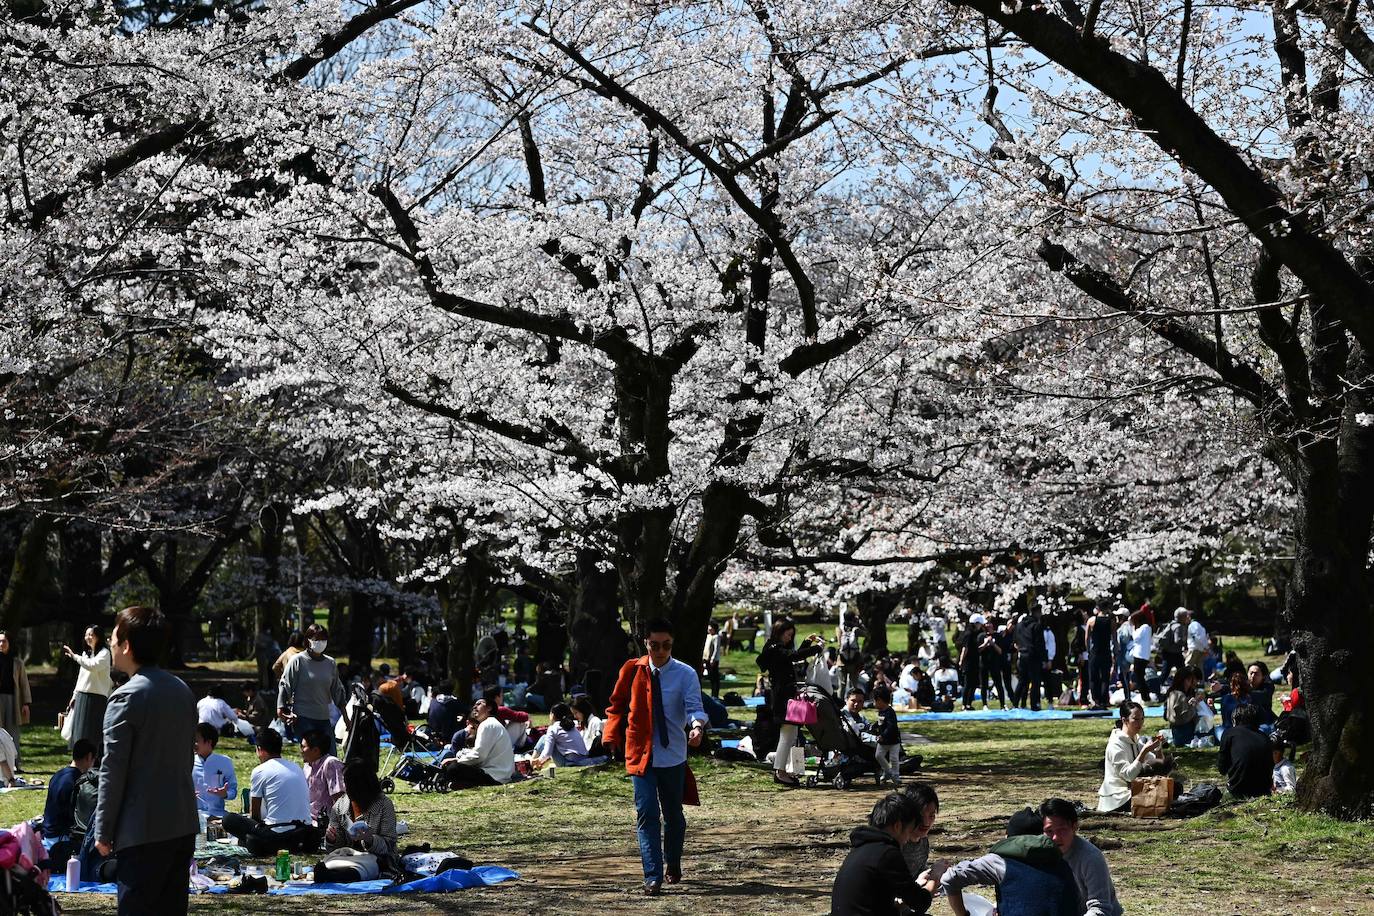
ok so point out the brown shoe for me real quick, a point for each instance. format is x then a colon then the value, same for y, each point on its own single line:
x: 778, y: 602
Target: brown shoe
x: 653, y: 888
x: 672, y: 875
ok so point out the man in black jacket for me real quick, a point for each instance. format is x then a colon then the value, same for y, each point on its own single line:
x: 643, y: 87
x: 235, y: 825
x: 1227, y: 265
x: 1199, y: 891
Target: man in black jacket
x: 874, y: 878
x: 1245, y: 758
x: 1030, y: 659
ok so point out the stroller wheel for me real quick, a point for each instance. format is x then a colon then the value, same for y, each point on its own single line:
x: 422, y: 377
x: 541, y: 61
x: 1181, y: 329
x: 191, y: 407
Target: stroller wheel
x: 812, y: 781
x: 840, y: 781
x: 388, y: 785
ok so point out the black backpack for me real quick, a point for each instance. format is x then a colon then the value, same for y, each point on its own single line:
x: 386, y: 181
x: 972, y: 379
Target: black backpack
x: 1202, y: 797
x: 1293, y: 728
x: 84, y: 798
x: 1171, y: 640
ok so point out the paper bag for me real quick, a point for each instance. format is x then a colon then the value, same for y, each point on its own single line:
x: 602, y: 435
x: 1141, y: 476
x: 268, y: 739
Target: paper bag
x: 796, y: 763
x: 1151, y: 796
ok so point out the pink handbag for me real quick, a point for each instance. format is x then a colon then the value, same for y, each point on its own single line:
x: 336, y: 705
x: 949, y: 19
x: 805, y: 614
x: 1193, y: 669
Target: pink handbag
x: 800, y: 712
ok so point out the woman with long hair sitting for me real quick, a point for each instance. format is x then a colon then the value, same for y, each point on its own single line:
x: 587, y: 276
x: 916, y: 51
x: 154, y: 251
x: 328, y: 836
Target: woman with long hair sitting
x: 363, y: 817
x: 1129, y: 756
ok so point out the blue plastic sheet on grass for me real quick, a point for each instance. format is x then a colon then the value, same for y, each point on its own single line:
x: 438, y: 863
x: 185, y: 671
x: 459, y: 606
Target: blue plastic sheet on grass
x: 753, y: 701
x: 455, y: 879
x: 1004, y: 715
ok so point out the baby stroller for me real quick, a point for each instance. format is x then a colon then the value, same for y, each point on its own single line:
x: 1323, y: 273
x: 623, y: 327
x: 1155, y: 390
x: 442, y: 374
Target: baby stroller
x: 22, y: 895
x: 410, y: 756
x: 23, y: 883
x: 364, y: 732
x: 844, y: 755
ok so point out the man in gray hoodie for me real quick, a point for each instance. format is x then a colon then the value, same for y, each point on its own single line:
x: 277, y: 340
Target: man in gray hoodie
x: 1089, y: 866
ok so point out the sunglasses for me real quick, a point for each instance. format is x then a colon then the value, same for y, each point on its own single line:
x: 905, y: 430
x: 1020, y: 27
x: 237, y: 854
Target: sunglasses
x: 655, y: 646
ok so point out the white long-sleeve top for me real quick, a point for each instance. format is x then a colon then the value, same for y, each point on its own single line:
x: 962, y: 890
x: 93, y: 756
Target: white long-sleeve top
x: 1122, y: 764
x: 1142, y: 642
x: 491, y: 751
x: 96, y: 675
x: 592, y: 730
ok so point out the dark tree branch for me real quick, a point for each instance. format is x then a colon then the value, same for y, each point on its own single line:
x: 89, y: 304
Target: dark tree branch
x: 1280, y: 336
x: 1173, y: 124
x: 1347, y: 31
x: 1236, y: 374
x: 613, y: 342
x: 331, y: 44
x: 553, y: 437
x: 766, y: 221
x: 810, y: 355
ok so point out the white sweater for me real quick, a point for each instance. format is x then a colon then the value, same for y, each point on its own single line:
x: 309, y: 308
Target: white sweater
x: 491, y: 751
x: 95, y: 675
x: 1122, y: 764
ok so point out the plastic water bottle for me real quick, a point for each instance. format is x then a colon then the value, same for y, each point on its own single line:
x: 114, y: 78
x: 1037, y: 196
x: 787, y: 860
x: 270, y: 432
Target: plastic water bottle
x: 73, y: 875
x: 283, y: 866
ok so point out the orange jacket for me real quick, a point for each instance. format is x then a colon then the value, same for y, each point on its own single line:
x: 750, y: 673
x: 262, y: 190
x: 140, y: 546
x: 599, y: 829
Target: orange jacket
x: 630, y: 717
x: 630, y: 723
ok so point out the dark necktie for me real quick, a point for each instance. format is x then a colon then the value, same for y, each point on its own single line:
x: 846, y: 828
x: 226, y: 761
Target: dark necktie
x: 660, y: 717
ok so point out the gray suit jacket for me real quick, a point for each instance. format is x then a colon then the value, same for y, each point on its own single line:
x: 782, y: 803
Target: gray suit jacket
x: 146, y: 793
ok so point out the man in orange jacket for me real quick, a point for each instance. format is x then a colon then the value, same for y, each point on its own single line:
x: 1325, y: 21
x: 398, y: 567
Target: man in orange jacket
x: 655, y: 701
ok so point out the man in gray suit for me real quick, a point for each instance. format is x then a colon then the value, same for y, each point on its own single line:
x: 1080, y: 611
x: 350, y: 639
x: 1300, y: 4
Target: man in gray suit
x: 146, y: 813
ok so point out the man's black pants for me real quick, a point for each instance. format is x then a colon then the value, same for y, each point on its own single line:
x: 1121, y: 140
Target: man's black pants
x: 152, y: 877
x: 972, y: 679
x: 1029, y: 673
x: 467, y: 776
x: 261, y: 840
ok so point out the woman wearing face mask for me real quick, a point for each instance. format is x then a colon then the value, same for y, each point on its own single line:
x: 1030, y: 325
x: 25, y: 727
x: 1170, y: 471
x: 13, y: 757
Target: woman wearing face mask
x: 309, y: 683
x: 14, y: 693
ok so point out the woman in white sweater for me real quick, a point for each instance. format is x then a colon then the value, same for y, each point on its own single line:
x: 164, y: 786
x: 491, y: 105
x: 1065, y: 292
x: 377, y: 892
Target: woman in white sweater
x: 491, y: 759
x: 1129, y: 756
x: 94, y: 681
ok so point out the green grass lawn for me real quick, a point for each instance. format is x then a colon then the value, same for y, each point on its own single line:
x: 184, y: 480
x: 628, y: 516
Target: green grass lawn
x: 754, y: 848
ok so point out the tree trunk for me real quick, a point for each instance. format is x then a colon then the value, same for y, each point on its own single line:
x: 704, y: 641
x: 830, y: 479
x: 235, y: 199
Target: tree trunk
x: 405, y: 641
x: 464, y: 597
x: 550, y: 630
x: 26, y: 573
x: 1328, y: 612
x: 81, y: 587
x: 599, y: 642
x: 722, y: 511
x: 874, y: 610
x: 362, y: 620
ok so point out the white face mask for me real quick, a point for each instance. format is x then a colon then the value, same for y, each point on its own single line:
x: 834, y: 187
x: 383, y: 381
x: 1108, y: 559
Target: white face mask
x: 318, y: 646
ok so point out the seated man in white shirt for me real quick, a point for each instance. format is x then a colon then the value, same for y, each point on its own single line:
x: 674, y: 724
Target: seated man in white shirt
x: 280, y: 807
x: 215, y: 711
x: 491, y: 759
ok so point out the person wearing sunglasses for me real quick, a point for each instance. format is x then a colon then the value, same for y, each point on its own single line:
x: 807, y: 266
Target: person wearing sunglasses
x: 654, y: 716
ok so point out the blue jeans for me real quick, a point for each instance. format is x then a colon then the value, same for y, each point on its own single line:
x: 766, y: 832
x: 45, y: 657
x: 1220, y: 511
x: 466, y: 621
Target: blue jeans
x: 660, y: 788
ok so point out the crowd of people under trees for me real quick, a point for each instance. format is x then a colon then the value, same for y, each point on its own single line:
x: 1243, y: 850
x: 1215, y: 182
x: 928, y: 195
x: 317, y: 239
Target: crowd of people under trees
x: 333, y: 802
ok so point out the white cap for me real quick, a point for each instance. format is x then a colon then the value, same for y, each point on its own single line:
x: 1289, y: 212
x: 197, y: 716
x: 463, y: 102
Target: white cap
x: 978, y: 619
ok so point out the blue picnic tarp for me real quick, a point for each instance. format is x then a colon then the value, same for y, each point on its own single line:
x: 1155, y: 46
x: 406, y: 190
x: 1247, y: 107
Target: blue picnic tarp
x: 1004, y: 715
x: 455, y: 879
